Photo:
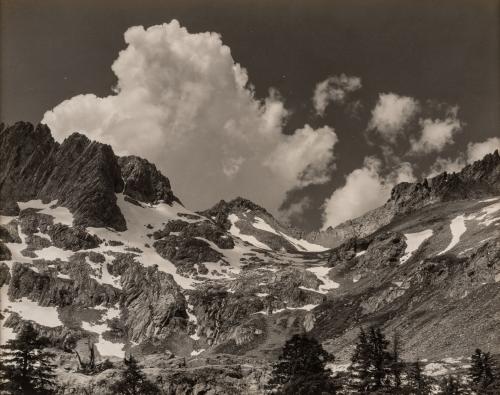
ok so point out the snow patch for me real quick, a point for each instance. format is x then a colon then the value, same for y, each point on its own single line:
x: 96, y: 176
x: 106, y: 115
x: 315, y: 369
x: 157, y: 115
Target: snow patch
x: 235, y: 231
x: 197, y: 352
x: 458, y: 228
x: 137, y: 218
x: 413, y: 242
x: 60, y: 214
x: 29, y: 310
x: 259, y: 223
x: 322, y: 273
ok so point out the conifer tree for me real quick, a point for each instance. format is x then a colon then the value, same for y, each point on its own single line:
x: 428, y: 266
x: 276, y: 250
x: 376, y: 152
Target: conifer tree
x: 133, y: 381
x: 380, y: 358
x: 26, y: 368
x: 481, y: 371
x: 301, y: 368
x: 418, y: 384
x: 396, y: 364
x: 359, y: 376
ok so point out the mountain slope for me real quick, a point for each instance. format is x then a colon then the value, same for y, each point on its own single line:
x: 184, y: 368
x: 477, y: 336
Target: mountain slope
x: 479, y: 179
x: 96, y: 249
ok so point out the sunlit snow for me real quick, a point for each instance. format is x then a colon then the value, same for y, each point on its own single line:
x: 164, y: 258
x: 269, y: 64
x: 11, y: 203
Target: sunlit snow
x: 322, y: 273
x: 413, y: 242
x: 458, y: 228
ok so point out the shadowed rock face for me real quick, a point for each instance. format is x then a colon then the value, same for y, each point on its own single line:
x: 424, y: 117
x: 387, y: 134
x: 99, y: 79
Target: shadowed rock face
x: 80, y: 174
x: 144, y: 182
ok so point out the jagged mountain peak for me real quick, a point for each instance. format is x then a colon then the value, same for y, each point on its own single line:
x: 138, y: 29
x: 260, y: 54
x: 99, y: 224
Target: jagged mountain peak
x: 476, y: 180
x: 254, y: 224
x: 80, y: 174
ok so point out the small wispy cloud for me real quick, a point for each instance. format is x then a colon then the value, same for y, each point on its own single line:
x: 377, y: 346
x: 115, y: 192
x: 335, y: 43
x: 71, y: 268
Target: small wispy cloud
x: 334, y: 90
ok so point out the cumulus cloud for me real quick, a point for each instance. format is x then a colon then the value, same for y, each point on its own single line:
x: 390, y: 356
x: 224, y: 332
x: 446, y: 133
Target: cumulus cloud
x: 436, y: 133
x: 391, y: 114
x: 476, y: 151
x: 334, y: 89
x: 365, y: 189
x: 446, y: 165
x: 182, y: 102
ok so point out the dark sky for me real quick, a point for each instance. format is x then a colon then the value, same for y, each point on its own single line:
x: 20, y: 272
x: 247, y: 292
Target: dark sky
x: 442, y: 50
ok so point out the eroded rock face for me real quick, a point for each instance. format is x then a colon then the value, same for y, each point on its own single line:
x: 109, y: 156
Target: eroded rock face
x: 5, y: 254
x: 154, y: 304
x: 45, y: 287
x: 221, y: 210
x: 72, y: 238
x: 477, y: 180
x: 4, y: 274
x: 80, y: 174
x: 144, y: 182
x: 182, y: 243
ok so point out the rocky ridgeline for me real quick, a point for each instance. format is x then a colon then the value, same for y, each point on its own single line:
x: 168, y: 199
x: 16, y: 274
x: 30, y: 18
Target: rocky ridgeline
x: 80, y: 174
x: 478, y: 180
x: 216, y: 316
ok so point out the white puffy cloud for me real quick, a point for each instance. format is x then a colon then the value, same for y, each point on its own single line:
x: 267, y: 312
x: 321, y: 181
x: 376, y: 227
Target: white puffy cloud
x: 446, y: 165
x: 365, y: 189
x: 391, y: 114
x: 334, y: 89
x: 476, y: 151
x: 305, y: 157
x: 183, y: 103
x: 436, y: 133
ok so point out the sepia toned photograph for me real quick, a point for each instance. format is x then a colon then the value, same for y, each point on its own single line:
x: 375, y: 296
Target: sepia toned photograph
x: 225, y: 197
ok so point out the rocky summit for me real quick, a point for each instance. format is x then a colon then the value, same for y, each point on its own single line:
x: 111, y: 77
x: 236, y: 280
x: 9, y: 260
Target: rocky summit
x: 98, y: 253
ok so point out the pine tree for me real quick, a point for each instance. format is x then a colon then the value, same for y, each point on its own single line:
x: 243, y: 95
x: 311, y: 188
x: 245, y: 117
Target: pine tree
x: 481, y: 371
x: 360, y: 364
x: 371, y: 363
x: 26, y: 368
x: 477, y: 368
x: 134, y: 381
x: 380, y: 358
x: 396, y: 364
x: 301, y: 368
x: 418, y: 384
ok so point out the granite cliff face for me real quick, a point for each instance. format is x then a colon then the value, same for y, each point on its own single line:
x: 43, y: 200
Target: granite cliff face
x: 97, y: 252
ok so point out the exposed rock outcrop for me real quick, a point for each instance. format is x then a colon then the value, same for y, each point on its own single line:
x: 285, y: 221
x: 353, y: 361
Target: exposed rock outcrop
x: 477, y: 180
x: 153, y: 302
x: 144, y: 182
x: 80, y: 174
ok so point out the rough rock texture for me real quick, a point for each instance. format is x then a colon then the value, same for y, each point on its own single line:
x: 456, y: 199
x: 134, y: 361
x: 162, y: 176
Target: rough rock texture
x: 46, y: 288
x: 179, y: 241
x: 8, y: 232
x: 154, y: 304
x: 144, y: 182
x: 80, y: 174
x: 221, y: 210
x: 5, y: 254
x: 72, y: 238
x: 248, y: 212
x: 477, y: 180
